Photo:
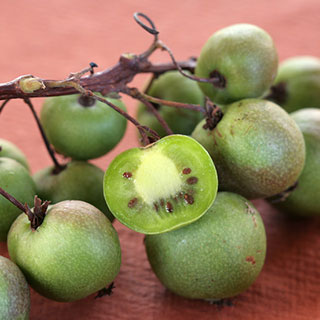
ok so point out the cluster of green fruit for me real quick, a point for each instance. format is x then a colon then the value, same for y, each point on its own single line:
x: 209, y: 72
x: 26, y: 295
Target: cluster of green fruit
x: 201, y: 243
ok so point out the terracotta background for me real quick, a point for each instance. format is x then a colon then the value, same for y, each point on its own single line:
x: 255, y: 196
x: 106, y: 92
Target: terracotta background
x: 50, y: 39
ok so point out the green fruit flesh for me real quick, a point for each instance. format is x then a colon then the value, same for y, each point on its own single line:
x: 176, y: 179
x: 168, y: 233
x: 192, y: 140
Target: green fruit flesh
x: 14, y: 179
x: 301, y: 78
x: 163, y: 186
x: 9, y: 150
x: 79, y: 181
x: 305, y: 199
x: 218, y: 256
x: 173, y: 86
x: 257, y: 148
x: 244, y: 56
x: 14, y: 292
x: 72, y: 254
x: 81, y: 132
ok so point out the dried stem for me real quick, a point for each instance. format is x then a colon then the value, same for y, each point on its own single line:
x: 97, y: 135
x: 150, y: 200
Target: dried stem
x: 13, y: 200
x: 137, y: 95
x: 4, y: 104
x: 58, y: 166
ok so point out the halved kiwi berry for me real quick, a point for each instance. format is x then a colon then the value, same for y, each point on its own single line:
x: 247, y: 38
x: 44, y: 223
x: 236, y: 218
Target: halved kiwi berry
x: 161, y: 187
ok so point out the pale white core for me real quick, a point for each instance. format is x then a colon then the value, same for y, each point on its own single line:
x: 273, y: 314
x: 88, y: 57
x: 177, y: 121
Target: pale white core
x: 157, y: 177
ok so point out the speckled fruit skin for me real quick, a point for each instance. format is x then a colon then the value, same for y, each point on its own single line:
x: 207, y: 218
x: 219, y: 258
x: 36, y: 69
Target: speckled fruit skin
x: 301, y: 77
x: 79, y: 181
x: 245, y: 56
x: 14, y: 292
x: 305, y: 199
x: 10, y: 150
x: 16, y: 180
x: 74, y: 253
x: 80, y: 132
x: 218, y: 256
x: 174, y: 87
x: 257, y: 148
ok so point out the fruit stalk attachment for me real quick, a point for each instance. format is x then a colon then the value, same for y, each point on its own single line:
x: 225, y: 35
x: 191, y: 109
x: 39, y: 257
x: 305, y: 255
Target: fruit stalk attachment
x: 36, y: 216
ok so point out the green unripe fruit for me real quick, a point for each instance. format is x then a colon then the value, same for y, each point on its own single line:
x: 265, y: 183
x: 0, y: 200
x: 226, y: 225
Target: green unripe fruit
x: 257, y: 148
x: 10, y: 150
x: 173, y: 86
x: 16, y: 180
x: 79, y: 181
x: 14, y: 292
x: 82, y: 131
x: 218, y: 256
x: 243, y: 57
x: 304, y: 200
x: 300, y: 79
x: 72, y: 254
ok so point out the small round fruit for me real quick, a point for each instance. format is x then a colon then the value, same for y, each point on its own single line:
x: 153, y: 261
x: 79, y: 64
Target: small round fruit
x: 16, y: 180
x: 72, y: 254
x: 243, y: 57
x: 304, y: 200
x: 174, y: 87
x: 300, y: 80
x: 80, y: 180
x: 218, y: 256
x: 14, y: 292
x: 10, y: 150
x: 257, y: 148
x: 164, y: 186
x: 82, y: 128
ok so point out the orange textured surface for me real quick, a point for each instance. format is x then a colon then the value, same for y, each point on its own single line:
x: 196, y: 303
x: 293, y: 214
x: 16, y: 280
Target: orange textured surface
x: 50, y: 39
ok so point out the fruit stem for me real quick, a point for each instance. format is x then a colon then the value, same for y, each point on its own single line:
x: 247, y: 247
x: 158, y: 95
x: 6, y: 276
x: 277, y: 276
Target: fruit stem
x: 39, y: 211
x: 4, y: 104
x: 213, y: 115
x: 134, y: 92
x: 13, y: 200
x: 58, y: 166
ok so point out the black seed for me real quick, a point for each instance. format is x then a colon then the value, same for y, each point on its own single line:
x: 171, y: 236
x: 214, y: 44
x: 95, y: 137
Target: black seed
x: 156, y: 207
x: 189, y: 199
x: 127, y: 175
x: 192, y: 180
x: 132, y: 202
x: 161, y: 202
x: 186, y: 171
x: 169, y: 207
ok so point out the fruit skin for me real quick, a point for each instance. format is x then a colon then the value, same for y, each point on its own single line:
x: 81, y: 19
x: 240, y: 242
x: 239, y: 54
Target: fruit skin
x: 301, y: 76
x: 305, y: 199
x: 257, y: 148
x: 10, y: 150
x: 174, y: 87
x: 79, y: 181
x: 80, y: 132
x: 14, y: 292
x: 245, y: 56
x: 16, y: 180
x: 180, y: 152
x: 218, y: 256
x: 72, y: 254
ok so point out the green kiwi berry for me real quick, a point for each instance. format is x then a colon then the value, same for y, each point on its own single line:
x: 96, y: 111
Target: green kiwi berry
x: 14, y: 292
x: 174, y: 87
x: 10, y: 150
x: 161, y: 187
x: 304, y: 200
x: 299, y: 79
x: 244, y: 60
x: 218, y: 256
x: 257, y: 148
x: 81, y: 127
x: 80, y: 180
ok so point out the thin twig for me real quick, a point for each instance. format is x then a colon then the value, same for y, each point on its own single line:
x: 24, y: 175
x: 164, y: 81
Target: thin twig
x: 4, y: 104
x: 13, y: 200
x: 57, y: 165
